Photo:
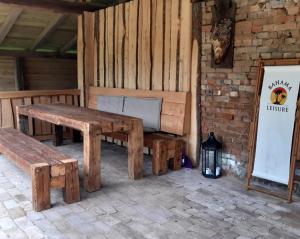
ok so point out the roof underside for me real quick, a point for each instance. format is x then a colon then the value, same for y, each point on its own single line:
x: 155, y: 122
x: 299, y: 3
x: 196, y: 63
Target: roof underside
x: 38, y: 30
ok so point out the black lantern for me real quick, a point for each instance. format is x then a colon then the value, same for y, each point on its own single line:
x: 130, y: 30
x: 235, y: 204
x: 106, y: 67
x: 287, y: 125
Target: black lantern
x: 212, y: 157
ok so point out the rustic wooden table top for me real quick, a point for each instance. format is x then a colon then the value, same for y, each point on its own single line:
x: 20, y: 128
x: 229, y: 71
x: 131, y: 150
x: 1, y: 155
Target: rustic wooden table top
x: 78, y: 117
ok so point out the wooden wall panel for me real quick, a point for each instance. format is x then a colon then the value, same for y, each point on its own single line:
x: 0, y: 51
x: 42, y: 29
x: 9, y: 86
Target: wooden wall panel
x: 143, y: 44
x: 7, y: 73
x: 49, y: 73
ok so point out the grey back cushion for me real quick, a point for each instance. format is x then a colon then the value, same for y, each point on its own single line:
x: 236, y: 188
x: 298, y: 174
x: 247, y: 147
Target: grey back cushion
x: 147, y: 109
x: 112, y: 104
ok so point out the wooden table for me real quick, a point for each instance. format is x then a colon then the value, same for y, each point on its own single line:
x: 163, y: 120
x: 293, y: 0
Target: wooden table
x: 92, y: 123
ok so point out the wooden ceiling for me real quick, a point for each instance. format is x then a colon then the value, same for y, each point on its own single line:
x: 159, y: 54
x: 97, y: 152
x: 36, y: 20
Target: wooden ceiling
x: 47, y: 27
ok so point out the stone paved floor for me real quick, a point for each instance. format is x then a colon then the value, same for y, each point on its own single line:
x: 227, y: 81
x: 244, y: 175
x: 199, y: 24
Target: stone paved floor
x: 179, y: 205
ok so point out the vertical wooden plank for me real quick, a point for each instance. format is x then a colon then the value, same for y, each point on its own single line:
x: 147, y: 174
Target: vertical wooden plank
x: 62, y: 99
x: 89, y: 38
x: 109, y: 54
x: 157, y: 47
x: 173, y: 44
x: 96, y: 51
x: 0, y: 113
x: 126, y: 46
x: 185, y: 46
x: 46, y: 127
x: 69, y: 100
x: 119, y: 41
x: 7, y: 114
x: 194, y: 137
x: 40, y: 174
x: 132, y: 44
x: 167, y: 44
x: 28, y: 101
x: 54, y: 99
x: 101, y: 47
x: 80, y: 58
x: 37, y: 123
x: 75, y: 100
x: 144, y: 51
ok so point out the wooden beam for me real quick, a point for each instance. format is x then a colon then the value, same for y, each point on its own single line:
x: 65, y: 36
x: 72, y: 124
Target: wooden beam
x: 69, y: 45
x: 9, y: 22
x: 56, y: 5
x: 48, y: 31
x: 35, y: 54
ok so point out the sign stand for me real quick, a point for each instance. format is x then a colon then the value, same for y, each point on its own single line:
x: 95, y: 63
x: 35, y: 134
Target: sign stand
x: 295, y: 156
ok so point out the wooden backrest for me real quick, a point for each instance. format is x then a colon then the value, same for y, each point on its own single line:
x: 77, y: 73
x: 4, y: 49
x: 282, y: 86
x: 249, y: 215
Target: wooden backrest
x: 175, y: 115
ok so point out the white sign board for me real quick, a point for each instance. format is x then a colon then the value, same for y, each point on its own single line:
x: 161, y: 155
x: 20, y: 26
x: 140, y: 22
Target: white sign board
x: 276, y: 122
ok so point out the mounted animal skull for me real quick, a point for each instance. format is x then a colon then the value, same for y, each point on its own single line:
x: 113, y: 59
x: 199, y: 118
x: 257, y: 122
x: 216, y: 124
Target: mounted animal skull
x: 221, y: 38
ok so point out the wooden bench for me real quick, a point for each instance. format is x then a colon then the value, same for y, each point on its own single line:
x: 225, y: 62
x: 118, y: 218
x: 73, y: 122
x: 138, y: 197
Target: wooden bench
x: 168, y: 145
x: 47, y: 167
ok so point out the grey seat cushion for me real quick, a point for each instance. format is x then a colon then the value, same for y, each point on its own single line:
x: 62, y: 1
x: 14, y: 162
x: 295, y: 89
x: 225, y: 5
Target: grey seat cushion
x: 147, y: 109
x: 112, y: 104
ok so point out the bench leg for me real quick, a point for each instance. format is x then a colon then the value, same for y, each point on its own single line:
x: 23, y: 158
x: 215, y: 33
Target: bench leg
x: 71, y: 190
x: 176, y: 161
x: 58, y: 135
x: 40, y: 174
x: 159, y: 158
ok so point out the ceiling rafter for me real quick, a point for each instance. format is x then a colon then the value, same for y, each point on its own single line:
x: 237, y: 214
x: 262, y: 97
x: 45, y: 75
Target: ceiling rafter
x: 48, y: 31
x: 56, y: 5
x: 68, y: 45
x: 9, y: 22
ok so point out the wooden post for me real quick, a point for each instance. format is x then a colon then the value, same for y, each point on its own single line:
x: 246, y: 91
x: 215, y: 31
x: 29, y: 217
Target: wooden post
x: 160, y: 157
x: 58, y: 139
x: 40, y: 174
x: 135, y: 150
x: 72, y: 189
x: 92, y: 160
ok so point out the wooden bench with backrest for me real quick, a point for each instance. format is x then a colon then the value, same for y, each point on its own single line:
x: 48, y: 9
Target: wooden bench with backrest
x: 174, y: 122
x: 47, y: 167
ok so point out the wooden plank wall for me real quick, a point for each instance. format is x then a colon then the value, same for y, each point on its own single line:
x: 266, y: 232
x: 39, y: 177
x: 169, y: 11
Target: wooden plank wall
x: 49, y: 73
x: 10, y: 99
x: 7, y: 73
x: 141, y: 44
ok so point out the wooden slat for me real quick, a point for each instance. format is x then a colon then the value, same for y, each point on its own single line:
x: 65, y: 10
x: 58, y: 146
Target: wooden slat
x: 7, y: 114
x: 185, y: 46
x: 109, y: 56
x: 119, y: 39
x: 173, y: 44
x: 9, y: 22
x: 167, y: 45
x: 132, y: 44
x: 157, y: 47
x: 126, y: 47
x: 80, y: 59
x: 144, y: 53
x: 15, y: 103
x: 28, y: 101
x: 102, y: 49
x: 37, y: 123
x: 46, y: 127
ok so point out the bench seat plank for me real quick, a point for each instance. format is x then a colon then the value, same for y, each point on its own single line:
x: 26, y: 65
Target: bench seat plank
x: 28, y: 148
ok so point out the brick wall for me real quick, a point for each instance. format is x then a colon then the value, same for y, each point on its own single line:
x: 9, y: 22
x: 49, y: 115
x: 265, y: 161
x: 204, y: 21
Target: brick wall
x: 264, y: 29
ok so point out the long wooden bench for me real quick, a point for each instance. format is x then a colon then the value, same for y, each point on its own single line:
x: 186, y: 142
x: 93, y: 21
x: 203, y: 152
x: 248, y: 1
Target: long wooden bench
x: 47, y: 167
x: 168, y: 145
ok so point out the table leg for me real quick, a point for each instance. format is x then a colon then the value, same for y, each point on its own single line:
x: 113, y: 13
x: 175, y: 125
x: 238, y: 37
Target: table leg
x: 58, y: 135
x: 135, y: 151
x: 92, y: 161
